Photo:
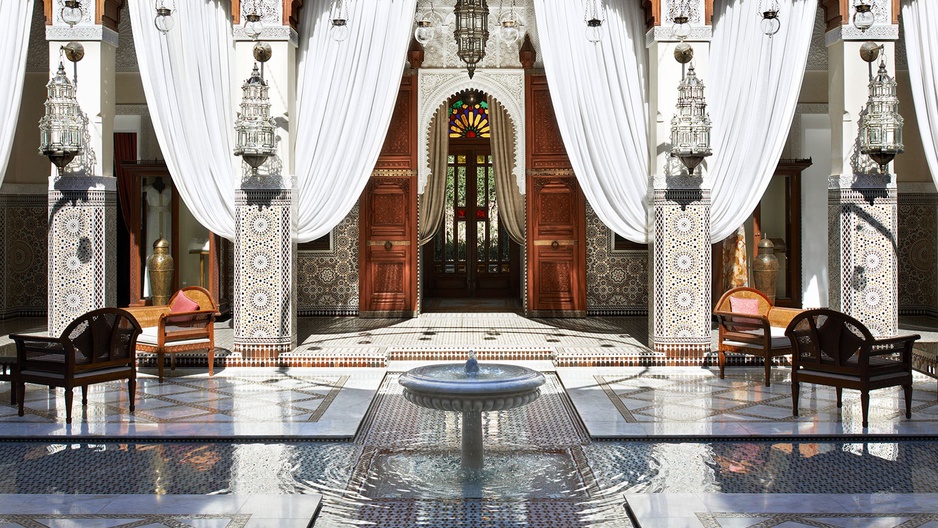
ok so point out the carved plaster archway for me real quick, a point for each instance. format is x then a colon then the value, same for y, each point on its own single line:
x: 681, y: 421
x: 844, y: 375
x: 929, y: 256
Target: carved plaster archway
x: 437, y: 86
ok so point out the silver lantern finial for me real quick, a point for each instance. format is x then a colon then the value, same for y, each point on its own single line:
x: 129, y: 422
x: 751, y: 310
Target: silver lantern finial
x: 60, y: 129
x: 254, y: 127
x: 690, y: 127
x: 880, y: 122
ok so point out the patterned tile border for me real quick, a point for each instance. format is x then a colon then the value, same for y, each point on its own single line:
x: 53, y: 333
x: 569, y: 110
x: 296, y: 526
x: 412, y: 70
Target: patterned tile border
x: 770, y: 520
x: 706, y: 398
x: 233, y: 520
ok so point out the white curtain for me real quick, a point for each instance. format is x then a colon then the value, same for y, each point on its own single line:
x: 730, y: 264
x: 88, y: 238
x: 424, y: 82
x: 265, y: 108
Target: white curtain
x: 920, y: 21
x: 18, y: 17
x: 599, y: 99
x: 188, y: 85
x: 346, y: 93
x: 752, y: 93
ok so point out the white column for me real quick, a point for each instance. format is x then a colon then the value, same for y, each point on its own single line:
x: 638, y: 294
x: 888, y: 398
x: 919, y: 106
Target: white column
x: 862, y: 205
x: 265, y: 293
x: 680, y: 300
x: 83, y: 202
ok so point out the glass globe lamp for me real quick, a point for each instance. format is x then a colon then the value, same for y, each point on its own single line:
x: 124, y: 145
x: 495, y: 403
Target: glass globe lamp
x: 594, y: 30
x: 863, y: 17
x: 72, y: 13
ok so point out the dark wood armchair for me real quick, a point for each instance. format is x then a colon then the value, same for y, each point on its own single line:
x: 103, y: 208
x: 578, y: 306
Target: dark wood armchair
x: 754, y: 327
x: 834, y: 349
x: 99, y: 346
x: 167, y: 332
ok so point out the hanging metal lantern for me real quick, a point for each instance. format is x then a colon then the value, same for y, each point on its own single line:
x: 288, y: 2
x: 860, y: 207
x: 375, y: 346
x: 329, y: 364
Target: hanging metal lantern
x: 254, y: 128
x: 60, y: 130
x: 880, y: 122
x: 472, y: 31
x: 690, y: 127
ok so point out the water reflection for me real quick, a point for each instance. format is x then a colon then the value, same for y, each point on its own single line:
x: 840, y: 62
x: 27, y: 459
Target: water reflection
x: 370, y: 486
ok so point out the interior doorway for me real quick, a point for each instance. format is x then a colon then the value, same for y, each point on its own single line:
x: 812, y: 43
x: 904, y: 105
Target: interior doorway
x: 471, y: 256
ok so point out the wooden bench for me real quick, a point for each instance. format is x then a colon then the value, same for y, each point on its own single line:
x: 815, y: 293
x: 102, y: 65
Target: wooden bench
x: 169, y: 333
x: 753, y: 327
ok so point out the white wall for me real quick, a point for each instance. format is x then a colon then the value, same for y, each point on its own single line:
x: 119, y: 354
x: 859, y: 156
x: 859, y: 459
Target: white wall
x: 816, y: 144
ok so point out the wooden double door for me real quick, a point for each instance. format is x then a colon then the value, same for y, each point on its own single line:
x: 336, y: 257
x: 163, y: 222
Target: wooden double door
x: 472, y: 255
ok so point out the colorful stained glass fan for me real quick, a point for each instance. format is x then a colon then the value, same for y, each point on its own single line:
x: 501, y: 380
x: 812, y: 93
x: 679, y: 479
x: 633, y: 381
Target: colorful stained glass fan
x: 469, y: 121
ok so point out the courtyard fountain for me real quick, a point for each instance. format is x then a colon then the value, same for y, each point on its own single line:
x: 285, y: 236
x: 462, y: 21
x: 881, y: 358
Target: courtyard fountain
x: 472, y: 389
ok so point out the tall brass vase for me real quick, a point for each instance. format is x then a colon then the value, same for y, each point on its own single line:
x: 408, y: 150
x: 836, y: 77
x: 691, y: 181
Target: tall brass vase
x: 160, y: 272
x: 765, y: 269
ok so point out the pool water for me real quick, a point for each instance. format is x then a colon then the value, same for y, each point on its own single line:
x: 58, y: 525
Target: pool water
x: 404, y: 468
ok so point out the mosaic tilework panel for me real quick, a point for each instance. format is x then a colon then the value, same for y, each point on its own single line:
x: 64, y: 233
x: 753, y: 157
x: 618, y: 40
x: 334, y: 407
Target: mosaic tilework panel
x: 863, y: 256
x: 682, y: 272
x: 327, y: 281
x: 918, y: 233
x: 265, y: 264
x: 616, y: 282
x: 24, y: 249
x: 82, y: 261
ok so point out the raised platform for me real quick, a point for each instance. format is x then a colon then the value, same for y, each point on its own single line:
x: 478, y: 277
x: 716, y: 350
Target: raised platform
x: 732, y: 510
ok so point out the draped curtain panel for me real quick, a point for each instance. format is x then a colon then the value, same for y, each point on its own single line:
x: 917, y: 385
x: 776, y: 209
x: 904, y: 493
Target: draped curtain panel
x: 433, y: 203
x: 346, y: 92
x: 599, y: 99
x: 752, y: 94
x: 17, y: 15
x: 507, y: 195
x: 188, y: 86
x: 920, y: 18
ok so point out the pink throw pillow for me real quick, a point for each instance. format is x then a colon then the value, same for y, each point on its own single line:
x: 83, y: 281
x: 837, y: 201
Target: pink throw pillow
x: 745, y: 306
x: 184, y: 304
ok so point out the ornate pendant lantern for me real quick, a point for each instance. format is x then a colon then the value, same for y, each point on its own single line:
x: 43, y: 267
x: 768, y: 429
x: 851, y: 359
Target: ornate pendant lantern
x: 254, y: 128
x: 472, y: 31
x: 690, y: 127
x: 60, y: 130
x: 880, y: 122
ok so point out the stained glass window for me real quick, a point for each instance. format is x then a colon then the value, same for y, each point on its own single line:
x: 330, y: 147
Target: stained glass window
x: 469, y: 121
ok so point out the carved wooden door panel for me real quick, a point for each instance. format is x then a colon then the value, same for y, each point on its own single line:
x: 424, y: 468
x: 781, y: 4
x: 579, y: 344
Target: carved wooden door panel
x: 387, y: 246
x: 556, y: 220
x: 388, y: 217
x: 556, y: 247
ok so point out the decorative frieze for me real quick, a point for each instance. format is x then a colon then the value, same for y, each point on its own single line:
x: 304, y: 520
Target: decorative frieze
x: 264, y: 273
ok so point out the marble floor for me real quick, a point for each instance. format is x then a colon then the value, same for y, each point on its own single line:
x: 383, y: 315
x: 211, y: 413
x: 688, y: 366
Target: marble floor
x: 622, y: 446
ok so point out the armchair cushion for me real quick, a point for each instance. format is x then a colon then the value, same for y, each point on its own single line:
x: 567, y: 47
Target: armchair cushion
x: 182, y: 303
x: 744, y: 306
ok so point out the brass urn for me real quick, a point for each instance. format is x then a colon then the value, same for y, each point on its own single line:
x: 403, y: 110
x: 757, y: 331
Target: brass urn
x: 160, y: 272
x: 765, y: 269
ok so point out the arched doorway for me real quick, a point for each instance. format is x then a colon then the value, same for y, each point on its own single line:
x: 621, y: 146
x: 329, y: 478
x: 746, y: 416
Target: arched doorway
x: 471, y: 256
